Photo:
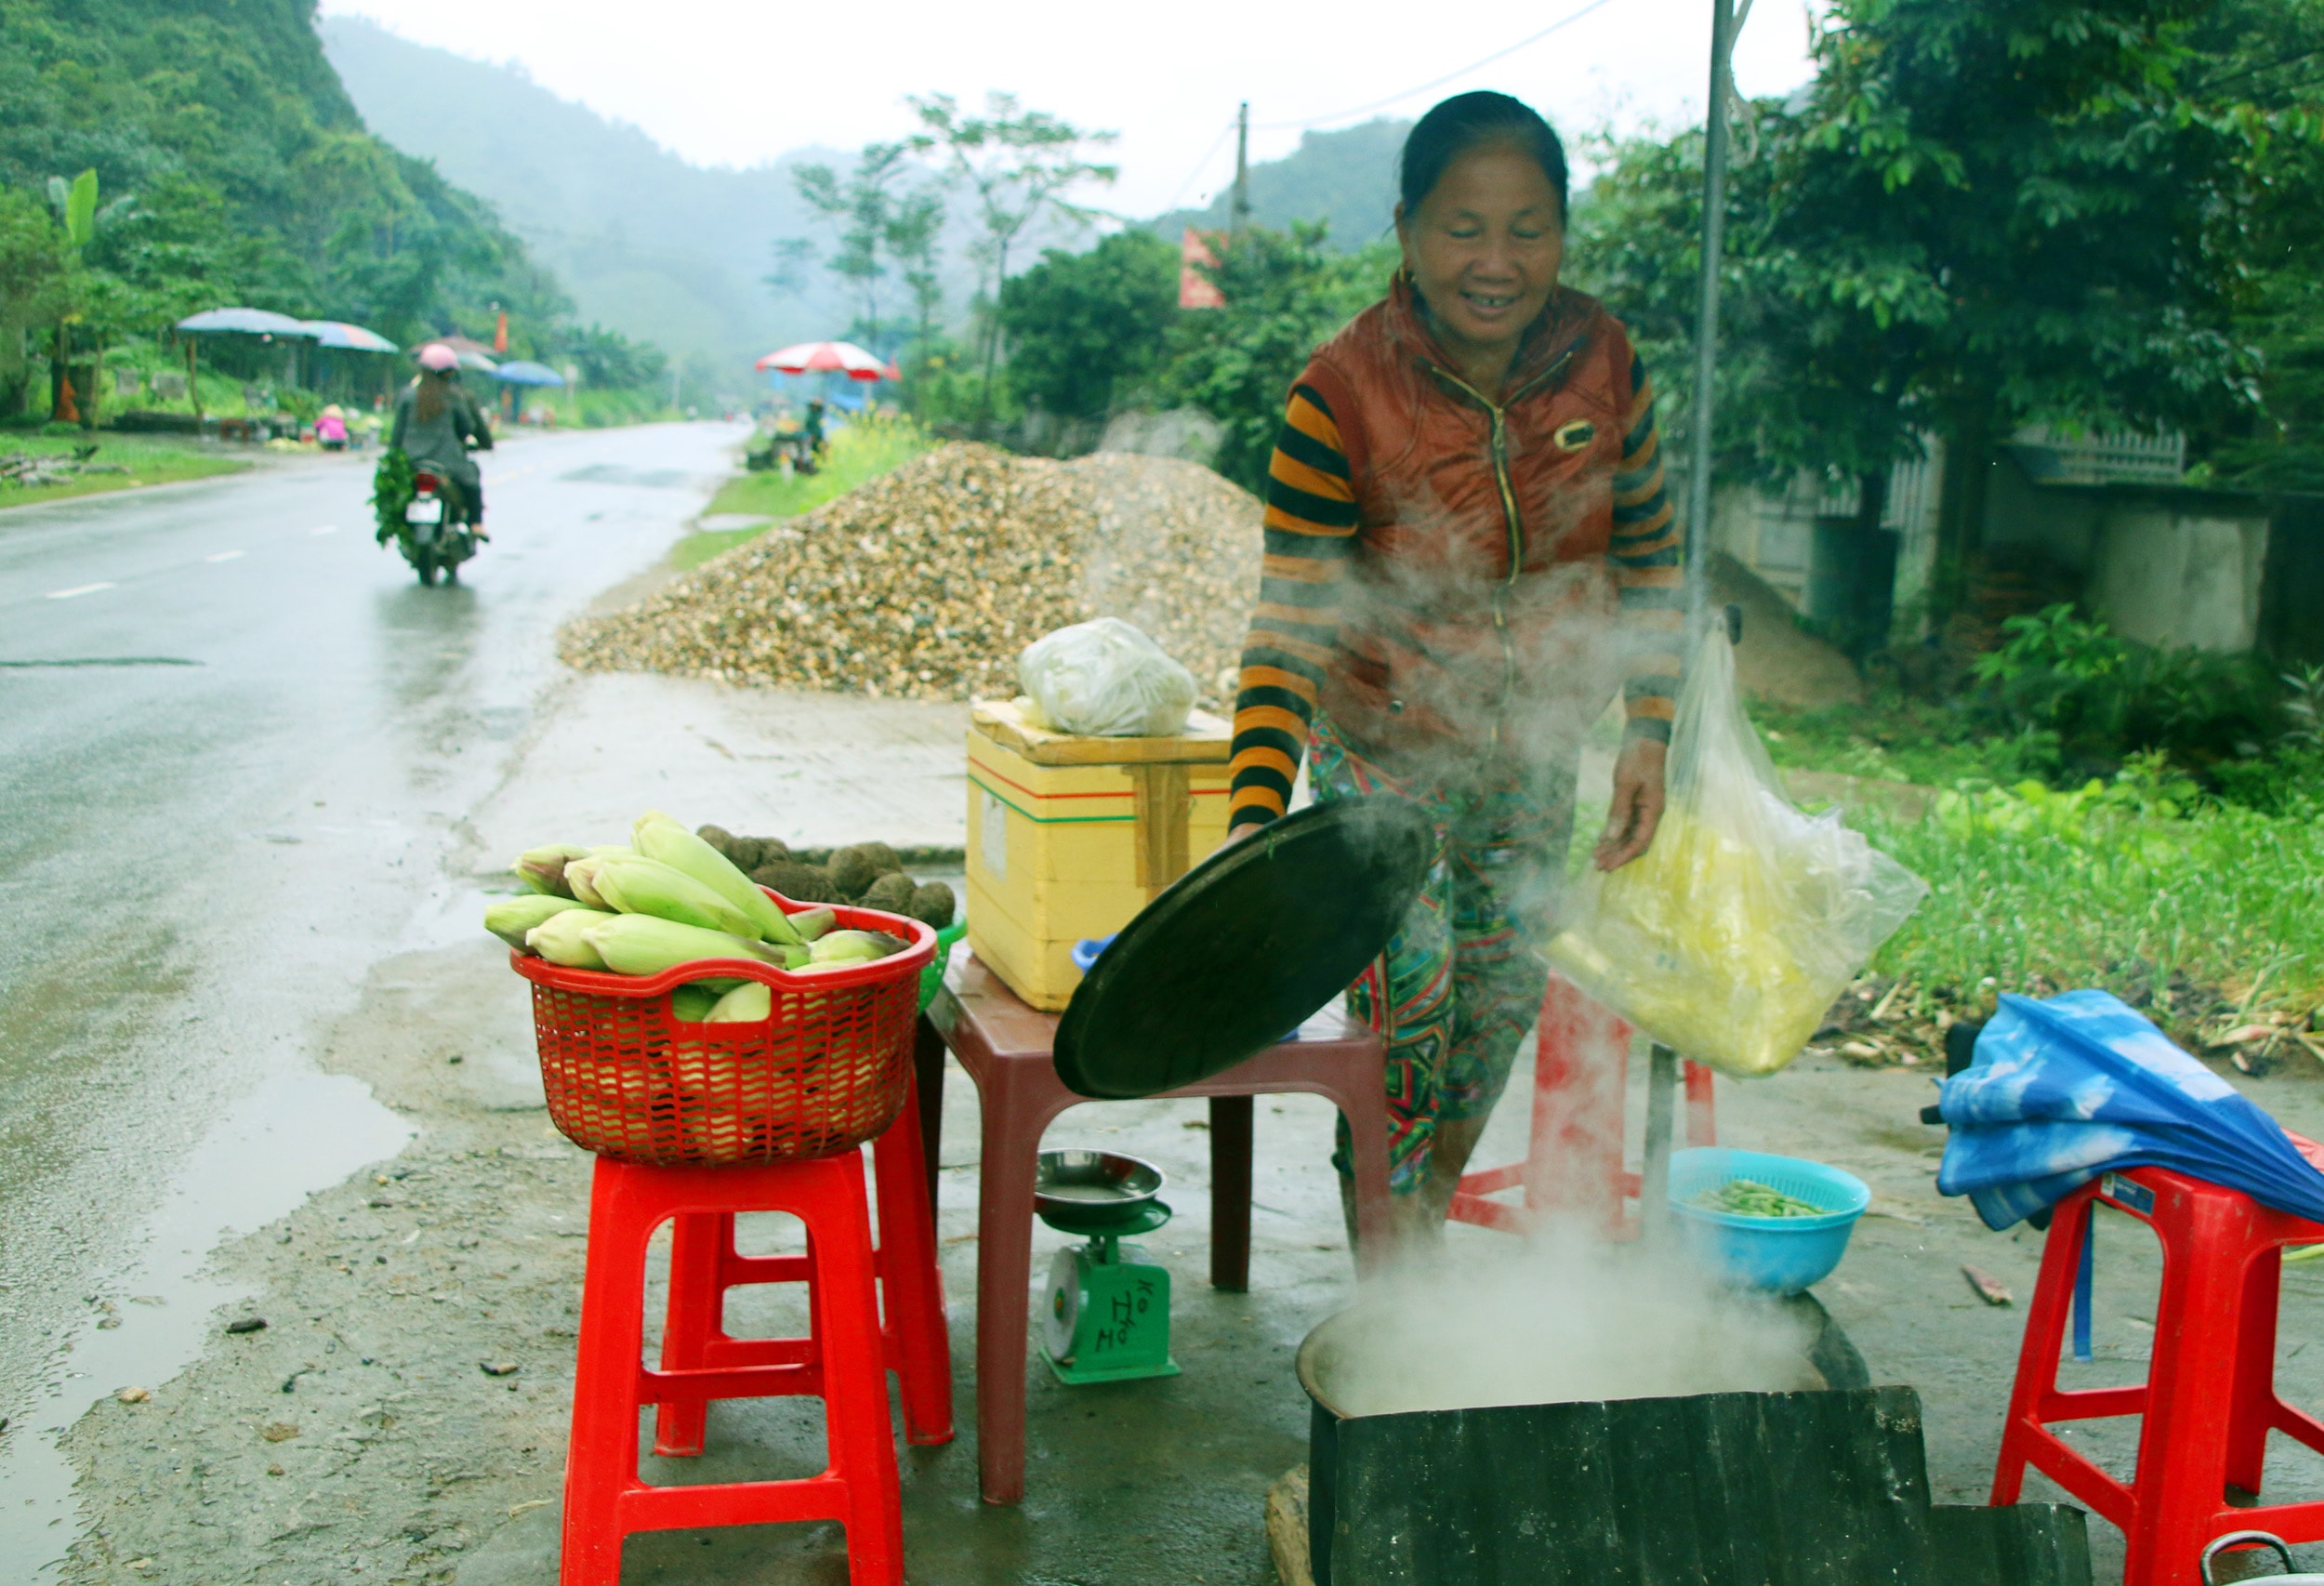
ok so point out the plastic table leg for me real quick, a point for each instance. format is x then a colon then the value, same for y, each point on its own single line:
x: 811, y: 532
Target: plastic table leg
x: 1231, y: 1138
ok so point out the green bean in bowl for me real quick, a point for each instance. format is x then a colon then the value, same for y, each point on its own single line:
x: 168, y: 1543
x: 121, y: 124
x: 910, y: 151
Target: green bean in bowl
x: 1748, y: 1198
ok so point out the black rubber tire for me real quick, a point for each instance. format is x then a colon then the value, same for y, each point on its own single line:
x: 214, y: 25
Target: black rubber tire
x: 425, y: 565
x: 451, y: 572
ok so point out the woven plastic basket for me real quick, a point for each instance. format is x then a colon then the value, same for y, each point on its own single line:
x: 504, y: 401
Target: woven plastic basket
x: 826, y: 1071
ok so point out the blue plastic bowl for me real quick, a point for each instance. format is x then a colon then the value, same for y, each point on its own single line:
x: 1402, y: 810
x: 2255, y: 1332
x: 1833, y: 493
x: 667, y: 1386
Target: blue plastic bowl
x: 1781, y: 1255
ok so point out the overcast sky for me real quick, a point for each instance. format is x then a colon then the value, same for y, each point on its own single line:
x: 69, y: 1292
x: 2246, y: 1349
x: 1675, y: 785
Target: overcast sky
x: 734, y: 84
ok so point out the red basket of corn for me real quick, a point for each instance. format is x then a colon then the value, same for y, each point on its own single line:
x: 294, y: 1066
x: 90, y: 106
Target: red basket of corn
x: 628, y: 1077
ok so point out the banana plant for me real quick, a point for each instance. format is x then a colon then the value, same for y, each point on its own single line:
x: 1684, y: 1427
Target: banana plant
x: 76, y: 203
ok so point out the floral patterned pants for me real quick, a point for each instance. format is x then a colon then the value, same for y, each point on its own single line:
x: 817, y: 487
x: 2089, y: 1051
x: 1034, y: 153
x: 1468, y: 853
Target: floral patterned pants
x: 1461, y: 983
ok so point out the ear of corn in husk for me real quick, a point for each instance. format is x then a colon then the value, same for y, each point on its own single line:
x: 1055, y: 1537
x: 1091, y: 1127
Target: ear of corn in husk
x: 693, y: 1002
x: 543, y: 869
x: 562, y: 938
x: 638, y: 885
x: 513, y: 918
x: 749, y: 1003
x: 641, y: 944
x: 857, y: 946
x: 810, y: 923
x: 581, y: 881
x: 797, y: 956
x: 658, y: 836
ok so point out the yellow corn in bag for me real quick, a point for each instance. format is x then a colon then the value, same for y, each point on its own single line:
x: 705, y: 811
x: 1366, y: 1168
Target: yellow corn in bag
x: 1729, y: 938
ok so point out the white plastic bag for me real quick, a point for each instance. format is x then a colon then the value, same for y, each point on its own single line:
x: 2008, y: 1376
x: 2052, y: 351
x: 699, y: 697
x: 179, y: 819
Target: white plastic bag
x: 1729, y: 938
x: 1106, y: 679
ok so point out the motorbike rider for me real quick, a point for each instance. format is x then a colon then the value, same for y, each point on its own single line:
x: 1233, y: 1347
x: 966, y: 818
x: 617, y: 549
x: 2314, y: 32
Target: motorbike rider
x: 437, y: 424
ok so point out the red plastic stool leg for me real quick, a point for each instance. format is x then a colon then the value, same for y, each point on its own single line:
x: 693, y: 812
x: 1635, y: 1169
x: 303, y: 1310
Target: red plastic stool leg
x: 700, y: 1244
x: 2183, y: 1443
x: 911, y: 1283
x: 846, y: 1302
x: 601, y: 1457
x: 2038, y: 1353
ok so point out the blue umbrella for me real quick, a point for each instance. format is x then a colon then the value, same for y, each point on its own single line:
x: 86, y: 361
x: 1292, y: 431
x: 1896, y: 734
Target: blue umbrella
x: 524, y: 372
x: 2062, y: 1090
x: 249, y: 322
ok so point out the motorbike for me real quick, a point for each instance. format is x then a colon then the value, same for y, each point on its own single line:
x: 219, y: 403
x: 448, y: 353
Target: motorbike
x: 437, y: 533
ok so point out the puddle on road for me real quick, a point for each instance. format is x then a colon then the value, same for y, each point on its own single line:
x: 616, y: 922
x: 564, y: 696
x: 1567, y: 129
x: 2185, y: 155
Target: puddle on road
x: 294, y: 1135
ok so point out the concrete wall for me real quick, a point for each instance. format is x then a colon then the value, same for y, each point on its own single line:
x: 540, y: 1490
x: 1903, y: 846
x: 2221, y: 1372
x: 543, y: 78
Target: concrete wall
x: 2168, y: 574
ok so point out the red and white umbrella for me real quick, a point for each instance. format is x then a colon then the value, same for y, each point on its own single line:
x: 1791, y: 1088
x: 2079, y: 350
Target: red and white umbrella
x: 844, y: 357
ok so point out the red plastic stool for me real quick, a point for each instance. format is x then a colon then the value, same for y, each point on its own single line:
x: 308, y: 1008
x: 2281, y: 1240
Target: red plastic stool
x: 1574, y: 1158
x: 2209, y: 1401
x: 915, y: 1342
x: 845, y: 1364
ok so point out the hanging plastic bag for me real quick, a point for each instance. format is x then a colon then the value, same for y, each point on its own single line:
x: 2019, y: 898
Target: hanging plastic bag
x: 1105, y: 679
x: 1729, y: 938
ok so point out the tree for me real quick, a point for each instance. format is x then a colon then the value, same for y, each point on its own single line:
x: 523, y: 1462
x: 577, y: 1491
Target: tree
x: 1084, y: 326
x: 1019, y: 165
x: 1285, y: 291
x: 914, y: 239
x: 1975, y: 217
x: 37, y: 286
x: 862, y: 211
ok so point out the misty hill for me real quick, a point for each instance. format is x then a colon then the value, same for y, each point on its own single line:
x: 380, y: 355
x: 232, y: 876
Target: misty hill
x: 1347, y: 178
x: 643, y: 241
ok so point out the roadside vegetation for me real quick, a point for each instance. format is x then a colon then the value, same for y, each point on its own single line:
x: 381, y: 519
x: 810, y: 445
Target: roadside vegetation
x: 53, y: 466
x: 863, y: 450
x: 2106, y: 815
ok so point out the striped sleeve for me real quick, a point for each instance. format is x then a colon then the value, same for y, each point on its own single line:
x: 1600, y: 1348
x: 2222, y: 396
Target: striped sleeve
x: 1310, y: 529
x: 1646, y: 553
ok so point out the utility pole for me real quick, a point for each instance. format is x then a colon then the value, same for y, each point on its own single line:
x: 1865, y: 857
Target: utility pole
x: 1238, y: 213
x: 1726, y: 21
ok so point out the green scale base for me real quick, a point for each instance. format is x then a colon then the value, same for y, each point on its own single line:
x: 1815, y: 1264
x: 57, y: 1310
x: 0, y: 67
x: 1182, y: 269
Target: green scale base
x: 1107, y: 1318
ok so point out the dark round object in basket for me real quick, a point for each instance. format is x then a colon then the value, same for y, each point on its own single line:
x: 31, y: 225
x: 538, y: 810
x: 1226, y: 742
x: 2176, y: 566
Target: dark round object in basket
x: 721, y: 839
x: 1243, y: 947
x: 801, y: 883
x: 852, y: 870
x: 892, y: 892
x: 933, y: 904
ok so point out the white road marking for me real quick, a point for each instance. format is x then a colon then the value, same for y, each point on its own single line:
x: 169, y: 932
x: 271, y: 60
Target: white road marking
x: 226, y: 556
x: 76, y: 589
x: 327, y: 529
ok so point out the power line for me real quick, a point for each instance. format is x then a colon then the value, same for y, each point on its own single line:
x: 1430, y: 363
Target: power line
x: 1192, y: 177
x: 1437, y: 82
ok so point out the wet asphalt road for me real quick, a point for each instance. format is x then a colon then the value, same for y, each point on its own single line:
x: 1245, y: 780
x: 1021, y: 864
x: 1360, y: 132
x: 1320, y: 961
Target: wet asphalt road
x: 238, y: 745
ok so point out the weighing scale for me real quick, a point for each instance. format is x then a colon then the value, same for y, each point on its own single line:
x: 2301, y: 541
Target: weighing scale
x: 1106, y: 1316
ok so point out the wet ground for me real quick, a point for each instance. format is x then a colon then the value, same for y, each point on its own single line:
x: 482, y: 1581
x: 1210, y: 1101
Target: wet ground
x: 234, y: 1007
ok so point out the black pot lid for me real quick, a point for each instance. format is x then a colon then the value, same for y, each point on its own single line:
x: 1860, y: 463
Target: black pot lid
x: 1243, y: 947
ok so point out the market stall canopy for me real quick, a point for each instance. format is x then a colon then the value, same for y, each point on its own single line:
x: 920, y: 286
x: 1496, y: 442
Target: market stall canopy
x: 524, y: 372
x: 840, y: 357
x: 352, y: 338
x: 245, y: 321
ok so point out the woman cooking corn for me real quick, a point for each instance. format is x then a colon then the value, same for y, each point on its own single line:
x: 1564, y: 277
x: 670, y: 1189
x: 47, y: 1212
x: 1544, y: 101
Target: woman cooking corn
x: 1468, y: 552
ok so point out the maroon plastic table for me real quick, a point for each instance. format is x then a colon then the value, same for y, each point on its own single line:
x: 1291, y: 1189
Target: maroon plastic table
x: 1005, y: 1047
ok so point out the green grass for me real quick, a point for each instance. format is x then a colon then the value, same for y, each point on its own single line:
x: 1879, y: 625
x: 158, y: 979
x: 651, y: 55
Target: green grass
x: 152, y: 459
x: 863, y: 451
x: 1899, y: 740
x: 2143, y: 887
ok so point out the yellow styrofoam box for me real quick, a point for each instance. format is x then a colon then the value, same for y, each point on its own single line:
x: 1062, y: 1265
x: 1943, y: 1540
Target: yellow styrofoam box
x: 1069, y: 838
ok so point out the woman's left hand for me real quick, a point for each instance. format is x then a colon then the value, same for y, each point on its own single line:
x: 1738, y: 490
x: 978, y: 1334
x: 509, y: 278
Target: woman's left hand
x: 1637, y: 807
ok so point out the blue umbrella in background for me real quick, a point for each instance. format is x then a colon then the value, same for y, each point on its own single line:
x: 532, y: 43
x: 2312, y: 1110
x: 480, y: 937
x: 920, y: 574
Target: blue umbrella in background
x: 246, y: 321
x: 2063, y: 1090
x: 524, y: 372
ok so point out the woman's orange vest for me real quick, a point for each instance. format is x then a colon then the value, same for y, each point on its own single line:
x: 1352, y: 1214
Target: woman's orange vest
x: 1480, y: 613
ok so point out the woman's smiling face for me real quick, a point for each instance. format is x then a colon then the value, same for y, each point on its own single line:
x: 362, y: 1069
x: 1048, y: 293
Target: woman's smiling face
x: 1484, y: 247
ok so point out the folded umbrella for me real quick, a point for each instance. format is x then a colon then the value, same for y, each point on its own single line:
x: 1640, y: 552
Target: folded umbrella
x: 2064, y: 1090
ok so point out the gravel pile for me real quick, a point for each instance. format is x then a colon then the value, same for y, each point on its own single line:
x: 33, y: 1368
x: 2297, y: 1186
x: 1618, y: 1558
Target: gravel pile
x: 926, y: 583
